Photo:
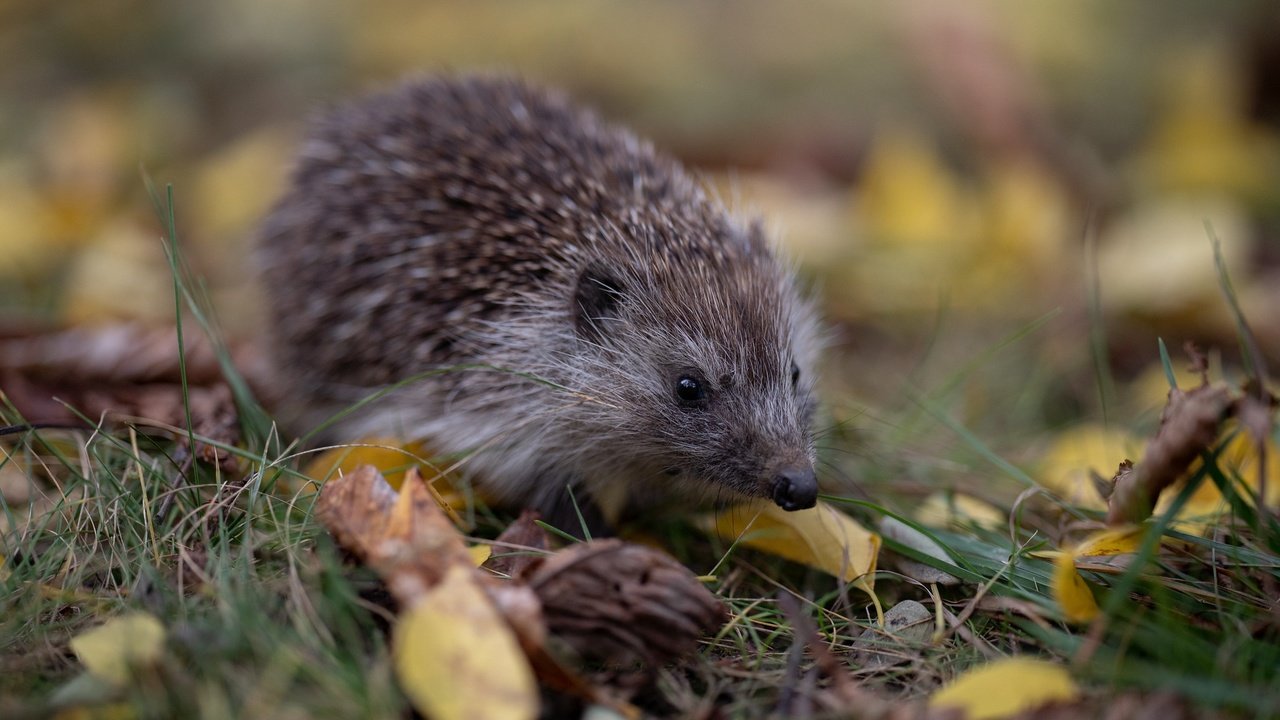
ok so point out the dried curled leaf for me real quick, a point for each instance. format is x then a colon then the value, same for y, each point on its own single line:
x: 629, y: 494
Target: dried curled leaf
x: 124, y: 371
x: 405, y: 536
x: 621, y: 602
x: 456, y: 654
x: 517, y: 548
x: 1188, y: 426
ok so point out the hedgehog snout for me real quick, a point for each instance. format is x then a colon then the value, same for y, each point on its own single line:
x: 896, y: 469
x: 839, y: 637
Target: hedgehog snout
x: 794, y: 488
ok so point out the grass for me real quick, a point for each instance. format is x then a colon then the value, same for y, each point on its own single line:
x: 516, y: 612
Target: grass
x: 267, y: 618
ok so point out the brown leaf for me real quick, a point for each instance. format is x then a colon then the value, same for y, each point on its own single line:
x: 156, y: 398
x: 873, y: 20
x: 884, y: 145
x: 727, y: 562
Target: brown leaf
x: 515, y: 551
x: 122, y: 372
x: 407, y: 538
x: 404, y: 536
x: 621, y: 602
x: 1188, y: 426
x: 113, y: 354
x: 353, y: 508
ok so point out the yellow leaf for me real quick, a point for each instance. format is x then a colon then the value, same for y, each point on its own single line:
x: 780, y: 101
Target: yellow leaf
x: 1071, y: 591
x: 235, y: 184
x: 479, y: 553
x: 1204, y: 140
x: 109, y: 711
x: 120, y: 276
x: 1064, y: 468
x: 909, y: 196
x: 1112, y: 541
x: 1239, y: 458
x: 392, y: 458
x: 111, y: 649
x: 952, y: 509
x: 821, y: 537
x: 1006, y: 687
x: 456, y: 657
x: 1153, y: 259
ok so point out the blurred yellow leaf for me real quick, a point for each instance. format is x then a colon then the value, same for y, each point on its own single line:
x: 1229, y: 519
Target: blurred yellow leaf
x: 1107, y: 550
x: 909, y: 197
x: 236, y: 184
x: 1071, y: 591
x: 102, y: 711
x: 958, y: 509
x: 1024, y: 233
x: 479, y: 553
x: 821, y: 537
x: 110, y: 650
x: 1203, y: 142
x: 390, y: 456
x: 456, y: 657
x: 1112, y: 541
x: 1157, y: 259
x: 1238, y: 458
x: 1064, y: 468
x: 1006, y: 687
x: 121, y: 275
x: 1149, y: 392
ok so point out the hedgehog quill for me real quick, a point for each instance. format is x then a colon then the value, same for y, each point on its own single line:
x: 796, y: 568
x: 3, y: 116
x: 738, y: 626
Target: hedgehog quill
x: 611, y: 327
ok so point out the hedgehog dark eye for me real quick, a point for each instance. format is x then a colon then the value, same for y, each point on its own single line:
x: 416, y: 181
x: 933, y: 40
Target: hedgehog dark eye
x: 795, y: 375
x: 690, y: 392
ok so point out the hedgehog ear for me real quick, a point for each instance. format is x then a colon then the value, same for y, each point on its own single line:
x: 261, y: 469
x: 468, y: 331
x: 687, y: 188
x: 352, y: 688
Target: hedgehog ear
x: 595, y: 301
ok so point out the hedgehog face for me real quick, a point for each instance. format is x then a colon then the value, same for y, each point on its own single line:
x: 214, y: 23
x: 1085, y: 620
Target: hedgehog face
x: 710, y: 371
x: 750, y: 435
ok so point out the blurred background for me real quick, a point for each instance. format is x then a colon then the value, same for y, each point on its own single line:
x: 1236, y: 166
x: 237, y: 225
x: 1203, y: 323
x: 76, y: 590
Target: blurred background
x: 1001, y: 205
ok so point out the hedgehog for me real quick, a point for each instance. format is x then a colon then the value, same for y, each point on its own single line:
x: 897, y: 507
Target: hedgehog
x: 483, y: 266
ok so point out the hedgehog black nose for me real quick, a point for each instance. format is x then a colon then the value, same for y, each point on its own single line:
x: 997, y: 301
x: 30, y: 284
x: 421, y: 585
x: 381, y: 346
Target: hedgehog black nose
x: 795, y: 489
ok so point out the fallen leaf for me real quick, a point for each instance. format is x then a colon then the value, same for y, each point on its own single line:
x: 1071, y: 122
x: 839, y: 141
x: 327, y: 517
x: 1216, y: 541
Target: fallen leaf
x: 959, y: 510
x: 1203, y: 141
x: 1111, y: 541
x: 1005, y: 687
x: 456, y: 657
x: 1188, y: 425
x: 455, y: 654
x: 822, y: 537
x: 1071, y: 591
x: 1066, y: 466
x: 479, y: 554
x: 124, y: 372
x: 1154, y: 260
x: 121, y: 275
x: 1239, y: 458
x: 510, y: 559
x: 112, y: 650
x: 393, y: 459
